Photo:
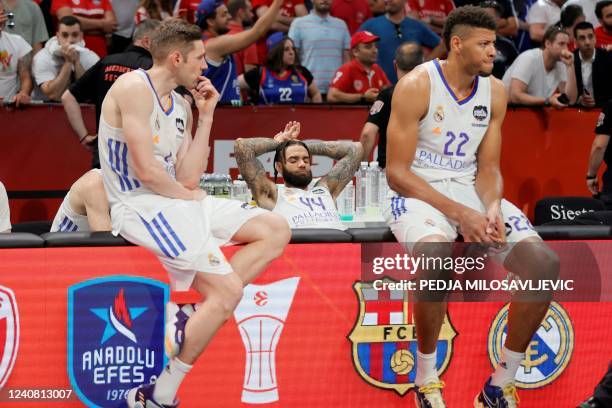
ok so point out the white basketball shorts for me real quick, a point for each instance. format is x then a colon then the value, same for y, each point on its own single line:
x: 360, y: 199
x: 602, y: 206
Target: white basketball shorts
x: 186, y: 235
x: 411, y: 219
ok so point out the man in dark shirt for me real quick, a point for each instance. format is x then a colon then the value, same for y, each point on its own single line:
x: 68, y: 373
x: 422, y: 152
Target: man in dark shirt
x: 507, y: 24
x: 601, y: 151
x: 407, y: 57
x: 95, y: 83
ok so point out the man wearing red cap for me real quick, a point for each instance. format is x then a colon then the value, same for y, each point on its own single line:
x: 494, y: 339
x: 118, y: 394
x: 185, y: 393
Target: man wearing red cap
x: 359, y: 80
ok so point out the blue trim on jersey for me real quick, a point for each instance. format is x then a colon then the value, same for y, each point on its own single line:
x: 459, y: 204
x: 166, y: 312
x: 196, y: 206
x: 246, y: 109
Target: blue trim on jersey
x: 119, y: 165
x: 165, y: 237
x: 169, y: 111
x: 450, y: 91
x: 67, y: 226
x: 398, y: 206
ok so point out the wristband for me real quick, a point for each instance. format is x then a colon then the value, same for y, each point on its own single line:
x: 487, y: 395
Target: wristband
x: 83, y: 138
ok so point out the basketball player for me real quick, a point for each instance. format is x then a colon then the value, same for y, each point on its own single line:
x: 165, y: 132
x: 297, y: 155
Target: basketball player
x: 443, y: 167
x: 151, y: 167
x: 85, y: 207
x: 302, y: 202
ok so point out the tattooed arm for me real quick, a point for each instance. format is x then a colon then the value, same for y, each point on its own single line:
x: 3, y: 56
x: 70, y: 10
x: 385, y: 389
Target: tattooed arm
x: 253, y: 172
x: 348, y: 155
x: 24, y: 66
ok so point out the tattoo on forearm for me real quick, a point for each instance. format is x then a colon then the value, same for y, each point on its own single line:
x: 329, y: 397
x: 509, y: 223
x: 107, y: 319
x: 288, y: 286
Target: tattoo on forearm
x: 335, y: 150
x: 246, y: 152
x: 349, y: 155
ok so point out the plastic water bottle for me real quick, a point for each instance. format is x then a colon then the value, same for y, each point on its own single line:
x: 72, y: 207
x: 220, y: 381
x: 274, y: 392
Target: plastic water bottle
x: 383, y: 187
x: 361, y: 190
x: 346, y: 202
x: 372, y: 180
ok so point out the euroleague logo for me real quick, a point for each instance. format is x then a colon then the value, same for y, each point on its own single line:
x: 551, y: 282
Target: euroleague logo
x: 260, y: 298
x: 548, y: 353
x: 9, y: 333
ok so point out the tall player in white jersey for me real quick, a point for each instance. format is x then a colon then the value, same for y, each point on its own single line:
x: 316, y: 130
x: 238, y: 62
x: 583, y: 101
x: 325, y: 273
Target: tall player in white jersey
x: 151, y: 167
x: 443, y: 153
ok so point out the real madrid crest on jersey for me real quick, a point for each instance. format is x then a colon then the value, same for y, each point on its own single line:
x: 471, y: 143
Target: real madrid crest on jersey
x: 439, y: 114
x: 548, y: 353
x: 384, y: 344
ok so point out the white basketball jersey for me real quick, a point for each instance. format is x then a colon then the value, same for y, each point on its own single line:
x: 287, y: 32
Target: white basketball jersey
x: 167, y: 132
x: 450, y: 133
x: 311, y: 208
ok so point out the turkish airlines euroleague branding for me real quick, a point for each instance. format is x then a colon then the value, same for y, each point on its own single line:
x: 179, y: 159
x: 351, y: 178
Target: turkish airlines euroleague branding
x: 9, y: 333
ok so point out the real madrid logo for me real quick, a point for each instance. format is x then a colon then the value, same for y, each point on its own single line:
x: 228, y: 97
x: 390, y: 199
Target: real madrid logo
x: 213, y: 260
x: 548, y: 353
x: 439, y: 114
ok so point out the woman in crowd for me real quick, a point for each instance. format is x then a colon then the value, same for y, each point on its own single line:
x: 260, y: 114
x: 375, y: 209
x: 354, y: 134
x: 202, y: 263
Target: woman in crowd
x: 282, y: 80
x: 154, y: 9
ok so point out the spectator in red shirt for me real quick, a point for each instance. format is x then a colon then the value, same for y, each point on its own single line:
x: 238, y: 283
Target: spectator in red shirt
x: 97, y: 19
x: 432, y: 12
x: 359, y: 80
x: 603, y: 33
x: 241, y: 13
x: 289, y: 10
x: 353, y: 12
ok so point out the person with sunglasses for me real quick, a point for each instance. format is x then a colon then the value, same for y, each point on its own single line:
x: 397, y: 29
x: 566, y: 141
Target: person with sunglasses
x: 63, y: 60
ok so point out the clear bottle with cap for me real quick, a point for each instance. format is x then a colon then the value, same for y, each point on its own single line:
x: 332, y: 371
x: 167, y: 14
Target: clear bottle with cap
x: 361, y: 190
x: 346, y: 202
x: 372, y: 180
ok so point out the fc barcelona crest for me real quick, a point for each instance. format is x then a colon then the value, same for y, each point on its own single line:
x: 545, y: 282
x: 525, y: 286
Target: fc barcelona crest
x: 384, y: 344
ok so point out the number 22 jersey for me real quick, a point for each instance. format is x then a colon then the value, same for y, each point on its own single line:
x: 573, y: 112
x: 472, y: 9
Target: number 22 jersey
x: 451, y: 131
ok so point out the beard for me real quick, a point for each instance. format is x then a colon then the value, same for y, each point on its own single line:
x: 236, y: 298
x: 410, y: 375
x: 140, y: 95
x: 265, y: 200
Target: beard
x: 297, y: 180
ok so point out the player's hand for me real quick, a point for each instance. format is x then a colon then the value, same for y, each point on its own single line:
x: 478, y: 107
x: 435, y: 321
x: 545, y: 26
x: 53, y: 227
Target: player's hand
x: 205, y: 96
x: 593, y: 185
x: 567, y: 58
x: 291, y: 132
x: 371, y: 94
x: 473, y: 226
x: 495, y: 227
x: 22, y: 99
x: 554, y: 102
x: 198, y: 194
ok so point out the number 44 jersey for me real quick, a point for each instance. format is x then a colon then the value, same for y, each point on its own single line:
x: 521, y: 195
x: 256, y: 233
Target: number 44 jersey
x: 450, y: 133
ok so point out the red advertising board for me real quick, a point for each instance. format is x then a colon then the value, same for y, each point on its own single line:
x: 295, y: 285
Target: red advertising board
x: 544, y: 150
x: 299, y: 338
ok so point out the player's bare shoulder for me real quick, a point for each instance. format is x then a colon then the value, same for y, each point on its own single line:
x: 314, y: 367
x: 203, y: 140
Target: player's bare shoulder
x: 128, y: 93
x: 499, y: 98
x: 412, y: 91
x: 128, y: 85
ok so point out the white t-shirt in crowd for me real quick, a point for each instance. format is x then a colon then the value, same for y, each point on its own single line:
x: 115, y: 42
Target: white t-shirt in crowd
x: 48, y: 61
x: 528, y: 67
x: 544, y: 11
x: 12, y: 48
x: 124, y: 11
x: 5, y: 212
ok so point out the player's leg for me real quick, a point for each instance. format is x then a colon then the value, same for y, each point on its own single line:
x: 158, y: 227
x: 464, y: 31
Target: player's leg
x: 266, y: 236
x: 529, y: 258
x: 424, y: 231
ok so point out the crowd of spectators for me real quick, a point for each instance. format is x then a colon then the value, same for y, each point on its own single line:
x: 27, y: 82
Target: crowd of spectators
x: 553, y: 52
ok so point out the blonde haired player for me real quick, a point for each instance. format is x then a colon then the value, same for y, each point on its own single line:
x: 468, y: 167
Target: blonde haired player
x: 444, y: 142
x: 151, y: 167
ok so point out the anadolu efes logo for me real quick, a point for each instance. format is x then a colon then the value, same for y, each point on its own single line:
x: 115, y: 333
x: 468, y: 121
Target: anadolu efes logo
x: 9, y: 333
x: 115, y: 337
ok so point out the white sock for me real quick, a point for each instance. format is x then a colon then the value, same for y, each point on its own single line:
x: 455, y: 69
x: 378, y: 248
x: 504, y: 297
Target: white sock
x: 169, y: 381
x: 426, y: 369
x: 507, y: 367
